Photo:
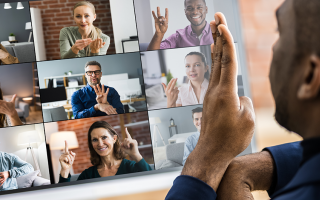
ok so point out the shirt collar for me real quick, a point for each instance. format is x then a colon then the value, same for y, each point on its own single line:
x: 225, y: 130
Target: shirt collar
x: 205, y: 30
x: 90, y: 88
x: 204, y: 84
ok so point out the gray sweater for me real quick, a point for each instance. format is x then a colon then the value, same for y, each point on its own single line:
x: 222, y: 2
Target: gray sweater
x: 69, y: 35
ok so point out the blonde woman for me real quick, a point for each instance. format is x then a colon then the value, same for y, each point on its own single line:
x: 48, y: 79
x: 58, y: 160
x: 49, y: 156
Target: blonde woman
x: 84, y: 39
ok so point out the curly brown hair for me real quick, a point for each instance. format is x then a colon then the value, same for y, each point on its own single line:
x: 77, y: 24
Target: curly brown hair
x: 117, y: 152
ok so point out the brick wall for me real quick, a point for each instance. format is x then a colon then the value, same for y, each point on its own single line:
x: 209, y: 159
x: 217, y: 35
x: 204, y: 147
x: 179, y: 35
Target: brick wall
x: 57, y: 14
x: 81, y: 126
x: 259, y: 28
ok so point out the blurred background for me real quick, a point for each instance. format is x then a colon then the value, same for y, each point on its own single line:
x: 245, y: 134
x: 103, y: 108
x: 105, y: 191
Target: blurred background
x: 259, y: 28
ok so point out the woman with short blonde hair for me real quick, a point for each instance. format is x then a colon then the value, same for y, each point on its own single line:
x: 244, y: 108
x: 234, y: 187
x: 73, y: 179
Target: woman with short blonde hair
x: 84, y: 39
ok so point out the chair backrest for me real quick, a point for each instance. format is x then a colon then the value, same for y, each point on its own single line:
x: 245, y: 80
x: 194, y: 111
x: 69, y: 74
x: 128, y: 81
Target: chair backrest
x: 25, y: 53
x: 175, y: 152
x: 143, y: 46
x: 54, y: 114
x: 10, y: 50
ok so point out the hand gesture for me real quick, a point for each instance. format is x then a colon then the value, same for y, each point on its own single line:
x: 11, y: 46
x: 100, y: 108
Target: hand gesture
x: 227, y: 121
x: 109, y: 109
x: 8, y: 108
x: 80, y: 44
x: 101, y: 95
x: 161, y: 23
x: 171, y: 92
x: 3, y: 177
x: 130, y: 147
x: 66, y: 160
x: 3, y: 54
x: 96, y: 45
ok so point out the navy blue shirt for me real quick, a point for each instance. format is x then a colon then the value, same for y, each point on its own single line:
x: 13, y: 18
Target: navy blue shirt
x: 84, y: 100
x: 287, y: 159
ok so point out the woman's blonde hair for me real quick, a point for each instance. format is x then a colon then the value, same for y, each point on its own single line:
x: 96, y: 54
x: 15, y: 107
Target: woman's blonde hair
x: 95, y: 32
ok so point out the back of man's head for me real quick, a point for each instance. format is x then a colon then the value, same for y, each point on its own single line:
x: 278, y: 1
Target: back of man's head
x: 307, y: 27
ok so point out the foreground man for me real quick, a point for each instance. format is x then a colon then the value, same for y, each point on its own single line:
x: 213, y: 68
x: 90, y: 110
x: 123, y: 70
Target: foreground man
x: 289, y: 171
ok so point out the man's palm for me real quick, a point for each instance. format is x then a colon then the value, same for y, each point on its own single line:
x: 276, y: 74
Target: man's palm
x: 161, y: 23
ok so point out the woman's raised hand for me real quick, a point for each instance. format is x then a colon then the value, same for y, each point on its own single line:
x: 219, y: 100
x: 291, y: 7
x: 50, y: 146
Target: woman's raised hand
x: 161, y: 23
x: 96, y: 45
x: 80, y: 44
x: 130, y: 147
x: 101, y: 95
x: 66, y: 160
x: 8, y: 108
x: 171, y: 92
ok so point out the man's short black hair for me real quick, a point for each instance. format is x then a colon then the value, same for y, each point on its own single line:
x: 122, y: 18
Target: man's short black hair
x: 196, y: 110
x: 92, y: 63
x: 185, y: 2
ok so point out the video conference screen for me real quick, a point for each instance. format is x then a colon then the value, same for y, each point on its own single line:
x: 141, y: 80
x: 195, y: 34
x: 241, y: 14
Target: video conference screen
x: 102, y: 88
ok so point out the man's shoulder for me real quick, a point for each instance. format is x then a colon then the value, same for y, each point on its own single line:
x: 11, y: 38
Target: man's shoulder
x: 193, y: 138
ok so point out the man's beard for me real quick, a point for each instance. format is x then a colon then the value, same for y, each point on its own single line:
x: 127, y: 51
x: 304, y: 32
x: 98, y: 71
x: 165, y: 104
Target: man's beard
x: 282, y: 115
x: 98, y: 82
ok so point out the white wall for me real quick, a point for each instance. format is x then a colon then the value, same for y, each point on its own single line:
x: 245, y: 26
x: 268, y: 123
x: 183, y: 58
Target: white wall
x: 55, y: 154
x: 124, y: 24
x: 144, y: 20
x: 177, y: 17
x: 9, y: 144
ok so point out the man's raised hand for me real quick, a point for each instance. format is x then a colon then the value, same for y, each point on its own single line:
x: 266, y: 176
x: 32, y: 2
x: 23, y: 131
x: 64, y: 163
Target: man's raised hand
x: 101, y: 95
x: 228, y: 121
x: 161, y: 23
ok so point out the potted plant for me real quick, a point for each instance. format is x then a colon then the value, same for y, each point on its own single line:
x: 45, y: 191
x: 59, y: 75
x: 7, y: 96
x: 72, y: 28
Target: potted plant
x: 12, y: 37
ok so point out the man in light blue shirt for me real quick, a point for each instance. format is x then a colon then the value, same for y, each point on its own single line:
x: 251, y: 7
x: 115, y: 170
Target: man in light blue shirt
x: 11, y: 167
x: 192, y: 140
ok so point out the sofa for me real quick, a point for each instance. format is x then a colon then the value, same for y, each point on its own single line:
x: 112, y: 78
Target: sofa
x: 31, y: 180
x: 174, y: 154
x: 24, y: 52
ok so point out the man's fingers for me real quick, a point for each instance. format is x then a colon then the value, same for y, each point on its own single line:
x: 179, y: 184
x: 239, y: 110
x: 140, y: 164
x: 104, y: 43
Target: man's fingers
x: 246, y: 107
x: 95, y: 89
x: 154, y: 15
x: 158, y: 11
x: 229, y: 65
x: 13, y: 100
x: 103, y: 88
x: 66, y: 149
x: 98, y: 88
x: 107, y: 92
x: 220, y: 19
x: 128, y: 134
x: 167, y: 14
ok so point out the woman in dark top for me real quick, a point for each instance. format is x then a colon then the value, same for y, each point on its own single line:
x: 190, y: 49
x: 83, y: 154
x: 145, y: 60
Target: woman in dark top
x: 107, y: 155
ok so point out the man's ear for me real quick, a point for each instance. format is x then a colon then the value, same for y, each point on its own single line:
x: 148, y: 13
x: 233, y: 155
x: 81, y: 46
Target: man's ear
x: 310, y: 87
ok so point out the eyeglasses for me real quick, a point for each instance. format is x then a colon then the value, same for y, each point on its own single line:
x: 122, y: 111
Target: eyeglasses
x: 97, y: 72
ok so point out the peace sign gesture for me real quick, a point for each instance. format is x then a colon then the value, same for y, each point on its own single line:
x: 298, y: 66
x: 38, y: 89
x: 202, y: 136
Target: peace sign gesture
x: 130, y: 147
x: 66, y: 160
x: 161, y: 23
x: 101, y: 95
